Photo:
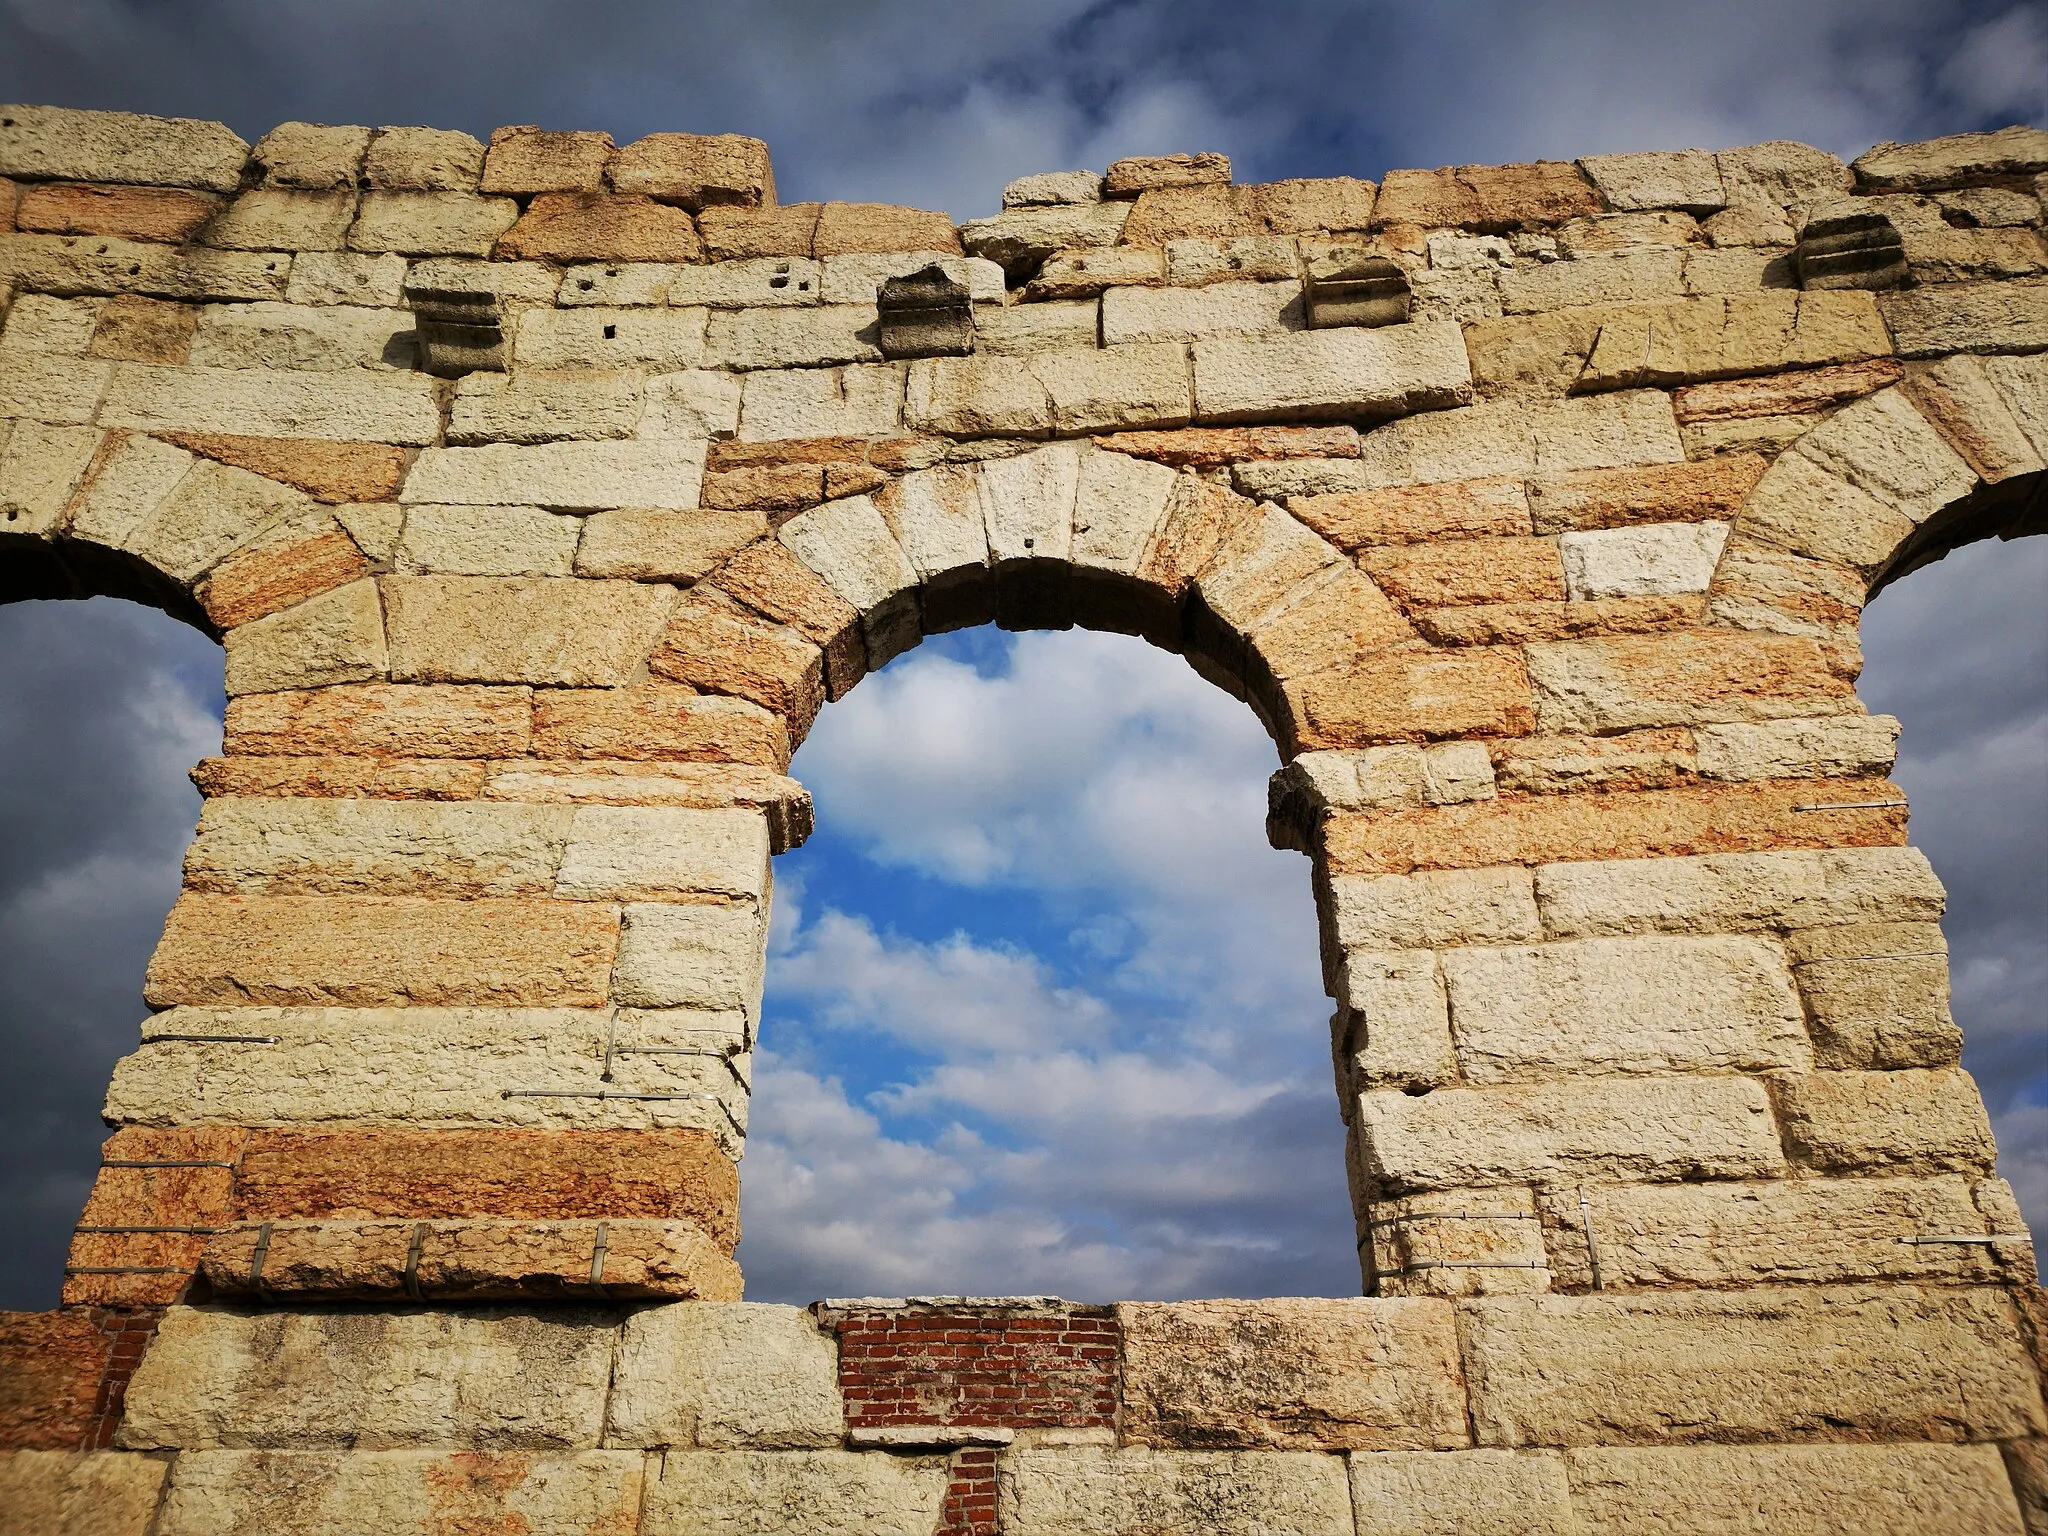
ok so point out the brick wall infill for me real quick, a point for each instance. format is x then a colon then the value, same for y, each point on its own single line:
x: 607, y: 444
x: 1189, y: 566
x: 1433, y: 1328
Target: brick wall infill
x: 970, y: 1504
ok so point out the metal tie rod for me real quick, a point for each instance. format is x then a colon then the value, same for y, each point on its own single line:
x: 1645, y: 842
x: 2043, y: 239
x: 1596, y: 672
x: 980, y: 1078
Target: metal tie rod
x: 168, y: 1162
x: 184, y: 1231
x: 1855, y: 805
x: 1985, y: 1241
x: 1393, y: 1221
x: 211, y: 1039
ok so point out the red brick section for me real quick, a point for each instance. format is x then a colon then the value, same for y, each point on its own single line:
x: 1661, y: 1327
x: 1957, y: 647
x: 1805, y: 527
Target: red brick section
x: 128, y: 1335
x: 1043, y: 1368
x: 64, y: 1375
x: 970, y: 1505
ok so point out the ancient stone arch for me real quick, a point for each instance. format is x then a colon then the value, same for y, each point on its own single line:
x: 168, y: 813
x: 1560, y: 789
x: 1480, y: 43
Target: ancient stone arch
x: 541, y: 498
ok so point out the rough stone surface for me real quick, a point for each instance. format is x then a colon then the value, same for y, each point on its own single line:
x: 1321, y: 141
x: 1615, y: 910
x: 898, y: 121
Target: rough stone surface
x: 765, y: 1493
x: 476, y: 629
x: 62, y: 1493
x: 1467, y: 1493
x: 1085, y: 1492
x: 752, y: 1376
x: 1910, y: 1121
x: 56, y: 143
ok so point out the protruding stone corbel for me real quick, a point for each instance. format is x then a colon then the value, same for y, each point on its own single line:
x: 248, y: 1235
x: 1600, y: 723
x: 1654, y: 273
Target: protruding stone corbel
x: 1851, y: 249
x: 459, y: 330
x: 926, y: 314
x: 1352, y: 288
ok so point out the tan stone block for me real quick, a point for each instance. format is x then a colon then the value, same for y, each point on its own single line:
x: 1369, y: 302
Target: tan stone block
x: 1830, y: 746
x: 423, y: 160
x: 1696, y: 677
x: 1478, y: 692
x: 213, y: 510
x: 1803, y: 506
x: 1616, y: 277
x: 1912, y: 1121
x: 1219, y: 447
x: 1314, y: 374
x: 299, y: 1493
x: 337, y: 637
x: 382, y: 718
x: 706, y: 786
x: 66, y: 1493
x: 36, y: 322
x: 1545, y: 765
x: 60, y: 390
x: 1786, y: 393
x: 1115, y: 388
x: 765, y: 1493
x: 375, y: 778
x: 714, y: 644
x: 851, y: 228
x: 1439, y: 1245
x: 1914, y: 1490
x: 691, y: 956
x: 1392, y: 1026
x: 1887, y: 449
x: 326, y: 471
x: 563, y: 476
x: 1144, y: 173
x: 1183, y: 314
x: 281, y: 569
x: 134, y: 329
x: 1539, y: 356
x: 1686, y: 178
x: 1049, y: 188
x: 643, y: 853
x: 40, y: 468
x: 1648, y: 560
x: 476, y: 629
x: 1434, y: 910
x: 1264, y: 563
x: 1458, y: 509
x: 849, y: 402
x: 2022, y: 384
x: 1968, y: 317
x: 1216, y: 212
x: 75, y: 264
x: 1021, y: 239
x: 742, y: 233
x: 857, y: 278
x: 1960, y: 159
x: 1468, y: 1493
x: 1494, y: 570
x: 612, y: 339
x: 697, y: 170
x: 519, y: 286
x: 693, y: 403
x: 1338, y: 621
x: 526, y: 160
x: 1614, y: 1128
x: 781, y: 488
x: 793, y: 338
x: 1198, y: 518
x: 755, y: 1376
x: 311, y: 950
x: 1195, y: 261
x: 486, y: 541
x: 1041, y: 327
x: 1600, y: 1006
x: 163, y: 214
x: 1790, y: 1364
x: 1712, y: 338
x: 1801, y: 1232
x: 1660, y: 493
x: 852, y: 550
x: 1877, y: 995
x: 536, y: 408
x: 47, y: 143
x: 1765, y: 435
x: 1964, y: 402
x: 1298, y: 1375
x: 1783, y: 172
x: 492, y: 1382
x: 656, y: 722
x: 1523, y: 623
x: 2026, y: 1462
x: 361, y: 406
x: 592, y: 226
x: 274, y: 219
x: 431, y: 223
x: 770, y: 579
x: 1490, y: 198
x: 1311, y: 206
x: 1089, y: 1492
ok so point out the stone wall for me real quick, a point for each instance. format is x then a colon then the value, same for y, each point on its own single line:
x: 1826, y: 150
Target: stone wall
x: 543, y: 493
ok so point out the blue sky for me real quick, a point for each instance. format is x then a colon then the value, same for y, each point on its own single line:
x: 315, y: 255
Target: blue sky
x: 1044, y: 1012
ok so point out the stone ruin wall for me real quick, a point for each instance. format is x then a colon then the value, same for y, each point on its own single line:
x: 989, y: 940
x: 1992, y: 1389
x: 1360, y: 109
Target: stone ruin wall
x: 542, y: 496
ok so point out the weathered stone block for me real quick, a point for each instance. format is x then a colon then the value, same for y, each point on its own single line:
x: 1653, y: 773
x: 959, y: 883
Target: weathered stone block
x: 563, y: 476
x: 697, y: 170
x: 1686, y: 678
x: 1296, y: 1375
x: 848, y: 229
x: 1968, y: 317
x: 1393, y: 1025
x: 655, y: 722
x: 1184, y: 314
x: 477, y: 629
x: 423, y: 160
x: 714, y: 643
x: 1792, y: 1364
x: 1833, y: 745
x: 1490, y: 198
x: 382, y: 719
x: 754, y: 1376
x: 361, y: 406
x: 1686, y: 178
x: 337, y: 637
x: 1781, y: 888
x: 1482, y: 692
x: 765, y: 1493
x: 431, y: 223
x: 301, y: 338
x: 1960, y: 159
x: 1911, y: 1121
x: 1320, y: 374
x: 486, y: 541
x: 1434, y: 910
x: 57, y: 143
x: 526, y: 160
x: 1455, y: 571
x: 1648, y: 560
x: 74, y: 264
x: 1468, y: 1493
x: 1050, y: 188
x: 169, y: 215
x: 691, y: 956
x: 1877, y: 995
x: 591, y: 226
x: 66, y: 1493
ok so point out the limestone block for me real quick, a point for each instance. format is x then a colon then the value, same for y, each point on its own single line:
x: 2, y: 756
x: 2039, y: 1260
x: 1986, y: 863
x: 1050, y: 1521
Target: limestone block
x: 370, y: 1381
x: 1735, y: 273
x: 1685, y: 178
x: 1960, y: 395
x: 821, y: 1493
x: 141, y: 330
x: 1633, y: 760
x: 35, y: 322
x: 1087, y: 1492
x: 515, y: 284
x: 690, y: 956
x: 1393, y: 1027
x: 1718, y: 1004
x: 40, y: 468
x: 731, y: 233
x: 660, y: 475
x: 431, y: 223
x: 1660, y: 493
x: 1434, y: 909
x: 272, y: 219
x: 1394, y: 370
x: 936, y: 517
x: 1831, y: 746
x: 59, y: 144
x: 526, y: 160
x: 1647, y: 560
x: 530, y: 407
x: 663, y: 546
x: 66, y: 1493
x: 698, y: 402
x: 1877, y: 995
x: 1620, y: 430
x: 851, y: 548
x: 1640, y: 276
x: 1798, y: 1232
x: 1145, y: 173
x: 856, y: 279
x: 1783, y: 173
x: 1455, y: 510
x: 63, y: 391
x: 713, y: 643
x: 1472, y: 443
x: 162, y: 214
x: 1968, y: 317
x: 846, y: 229
x: 328, y: 847
x: 382, y: 719
x: 1267, y: 561
x: 1489, y: 198
x: 1114, y: 389
x: 697, y: 170
x: 2022, y: 384
x: 1455, y: 571
x: 345, y: 277
x: 1454, y: 1243
x: 1802, y: 506
x: 357, y: 406
x: 1028, y: 503
x: 1086, y: 273
x: 133, y: 481
x: 1884, y: 447
x: 1467, y: 1493
x: 1250, y: 258
x: 1184, y: 314
x: 629, y: 853
x: 372, y: 951
x: 1020, y: 239
x: 337, y: 637
x: 1713, y: 338
x: 1789, y: 1490
x: 591, y: 226
x: 1614, y: 1128
x: 73, y: 264
x: 662, y: 339
x: 486, y: 541
x: 793, y: 338
x: 1911, y: 1121
x: 1804, y: 1363
x: 1045, y: 327
x: 1293, y: 1375
x: 1683, y: 678
x: 1119, y: 503
x: 753, y: 1376
x: 423, y: 160
x: 313, y: 1493
x: 297, y: 337
x: 1958, y: 160
x: 862, y: 401
x: 283, y: 566
x: 1478, y: 691
x: 1734, y: 891
x: 479, y: 629
x: 654, y: 722
x: 615, y: 283
x: 1050, y: 188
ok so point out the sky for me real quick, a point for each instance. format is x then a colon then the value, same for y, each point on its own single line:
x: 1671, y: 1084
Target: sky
x: 1043, y: 1010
